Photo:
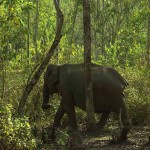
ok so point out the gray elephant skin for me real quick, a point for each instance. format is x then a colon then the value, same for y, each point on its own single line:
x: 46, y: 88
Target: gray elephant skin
x: 68, y: 81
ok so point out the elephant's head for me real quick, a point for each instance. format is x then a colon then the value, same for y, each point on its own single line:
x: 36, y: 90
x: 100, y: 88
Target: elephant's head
x: 51, y: 79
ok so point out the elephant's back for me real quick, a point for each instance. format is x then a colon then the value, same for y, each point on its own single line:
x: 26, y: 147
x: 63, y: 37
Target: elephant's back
x: 108, y: 86
x: 103, y: 75
x: 104, y: 79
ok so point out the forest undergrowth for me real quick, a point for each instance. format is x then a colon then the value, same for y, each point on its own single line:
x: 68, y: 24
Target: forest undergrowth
x: 27, y: 132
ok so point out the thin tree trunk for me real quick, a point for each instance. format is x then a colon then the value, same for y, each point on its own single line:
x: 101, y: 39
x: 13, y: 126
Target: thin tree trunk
x: 45, y: 62
x: 57, y: 24
x: 36, y: 31
x: 97, y: 22
x: 148, y: 39
x: 72, y: 29
x: 87, y: 61
x: 28, y: 38
x: 102, y: 32
x: 3, y: 78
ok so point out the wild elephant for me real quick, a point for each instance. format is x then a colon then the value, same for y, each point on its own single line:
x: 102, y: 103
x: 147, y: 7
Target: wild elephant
x: 68, y: 81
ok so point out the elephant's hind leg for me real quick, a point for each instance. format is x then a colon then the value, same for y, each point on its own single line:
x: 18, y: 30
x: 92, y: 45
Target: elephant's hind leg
x: 103, y: 120
x: 126, y: 123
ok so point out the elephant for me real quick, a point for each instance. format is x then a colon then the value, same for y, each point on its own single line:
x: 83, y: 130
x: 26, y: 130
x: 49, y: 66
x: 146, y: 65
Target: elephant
x: 108, y: 93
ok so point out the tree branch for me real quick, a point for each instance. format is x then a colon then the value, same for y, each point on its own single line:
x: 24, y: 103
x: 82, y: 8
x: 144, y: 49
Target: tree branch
x: 45, y: 62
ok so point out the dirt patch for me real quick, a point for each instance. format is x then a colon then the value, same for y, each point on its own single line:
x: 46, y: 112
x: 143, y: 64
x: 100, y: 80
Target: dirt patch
x: 138, y: 140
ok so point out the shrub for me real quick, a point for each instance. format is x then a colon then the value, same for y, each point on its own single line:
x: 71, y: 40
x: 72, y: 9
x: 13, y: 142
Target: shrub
x: 15, y: 132
x: 138, y: 95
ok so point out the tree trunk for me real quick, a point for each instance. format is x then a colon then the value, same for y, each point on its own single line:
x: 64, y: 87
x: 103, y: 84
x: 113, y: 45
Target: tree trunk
x: 72, y: 29
x: 102, y: 30
x: 57, y: 24
x: 3, y: 76
x: 45, y: 62
x: 148, y: 40
x: 87, y: 61
x: 28, y: 39
x: 36, y: 31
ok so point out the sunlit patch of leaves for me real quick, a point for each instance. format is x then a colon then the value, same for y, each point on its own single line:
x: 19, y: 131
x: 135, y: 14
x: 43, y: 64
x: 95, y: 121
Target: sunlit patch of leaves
x: 15, y: 132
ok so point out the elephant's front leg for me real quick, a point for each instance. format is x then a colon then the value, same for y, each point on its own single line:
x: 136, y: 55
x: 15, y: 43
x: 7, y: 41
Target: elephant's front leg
x: 68, y: 104
x: 103, y: 119
x: 59, y: 114
x: 74, y: 141
x: 46, y: 92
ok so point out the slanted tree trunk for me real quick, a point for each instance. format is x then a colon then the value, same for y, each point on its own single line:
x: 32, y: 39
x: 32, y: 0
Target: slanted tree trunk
x: 87, y: 61
x: 45, y: 62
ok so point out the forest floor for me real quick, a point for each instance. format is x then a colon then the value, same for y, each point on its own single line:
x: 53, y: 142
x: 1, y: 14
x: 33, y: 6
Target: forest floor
x: 138, y: 140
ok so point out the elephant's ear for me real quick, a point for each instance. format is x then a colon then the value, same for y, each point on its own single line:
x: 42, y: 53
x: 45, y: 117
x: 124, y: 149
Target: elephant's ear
x: 52, y: 74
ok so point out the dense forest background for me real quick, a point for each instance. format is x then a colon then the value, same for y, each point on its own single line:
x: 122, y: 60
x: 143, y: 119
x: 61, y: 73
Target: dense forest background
x: 120, y: 38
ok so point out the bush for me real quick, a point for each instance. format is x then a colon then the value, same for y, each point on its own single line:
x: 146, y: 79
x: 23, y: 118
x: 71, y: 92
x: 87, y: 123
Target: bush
x: 138, y: 95
x: 15, y: 132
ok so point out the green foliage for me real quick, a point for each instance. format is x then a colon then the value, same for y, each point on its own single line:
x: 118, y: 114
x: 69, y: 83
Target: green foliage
x: 138, y: 95
x: 62, y: 137
x: 119, y: 39
x: 15, y: 132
